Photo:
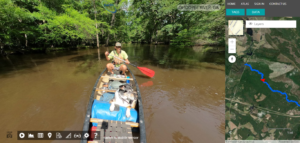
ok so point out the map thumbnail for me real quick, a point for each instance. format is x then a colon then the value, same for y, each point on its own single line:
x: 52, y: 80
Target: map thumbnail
x: 235, y: 27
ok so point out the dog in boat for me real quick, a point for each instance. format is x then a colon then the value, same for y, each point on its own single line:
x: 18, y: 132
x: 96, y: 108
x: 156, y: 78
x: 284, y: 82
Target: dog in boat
x: 122, y: 98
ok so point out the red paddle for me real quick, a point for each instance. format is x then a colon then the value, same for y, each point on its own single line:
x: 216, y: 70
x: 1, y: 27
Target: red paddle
x: 144, y: 70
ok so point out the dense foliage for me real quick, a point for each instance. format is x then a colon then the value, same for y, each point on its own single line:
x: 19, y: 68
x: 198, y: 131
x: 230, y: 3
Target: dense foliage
x: 25, y: 24
x: 161, y: 21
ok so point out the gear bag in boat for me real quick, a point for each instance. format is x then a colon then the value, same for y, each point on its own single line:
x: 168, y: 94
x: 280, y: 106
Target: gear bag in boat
x: 100, y: 110
x: 106, y: 97
x: 113, y: 85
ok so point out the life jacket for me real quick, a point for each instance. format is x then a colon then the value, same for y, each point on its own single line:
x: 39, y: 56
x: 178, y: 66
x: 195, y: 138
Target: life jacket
x: 116, y: 60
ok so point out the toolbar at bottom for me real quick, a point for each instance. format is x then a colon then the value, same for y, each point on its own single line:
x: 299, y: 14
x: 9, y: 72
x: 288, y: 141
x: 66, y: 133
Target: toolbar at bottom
x: 57, y: 135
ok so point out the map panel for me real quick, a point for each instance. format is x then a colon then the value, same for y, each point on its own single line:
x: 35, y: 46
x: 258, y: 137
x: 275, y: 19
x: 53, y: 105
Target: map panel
x: 262, y: 85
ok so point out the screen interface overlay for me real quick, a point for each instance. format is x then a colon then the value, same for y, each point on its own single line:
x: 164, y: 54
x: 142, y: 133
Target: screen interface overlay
x: 262, y: 78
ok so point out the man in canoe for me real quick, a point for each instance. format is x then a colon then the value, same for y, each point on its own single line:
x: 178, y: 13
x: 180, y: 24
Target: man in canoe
x: 116, y: 55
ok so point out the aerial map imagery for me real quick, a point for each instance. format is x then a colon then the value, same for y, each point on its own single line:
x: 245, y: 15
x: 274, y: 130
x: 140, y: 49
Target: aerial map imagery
x: 263, y: 83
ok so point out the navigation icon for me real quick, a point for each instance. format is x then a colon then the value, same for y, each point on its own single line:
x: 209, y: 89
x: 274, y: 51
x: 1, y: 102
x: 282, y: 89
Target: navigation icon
x: 58, y: 135
x: 232, y: 45
x: 86, y: 135
x: 21, y: 135
x: 40, y: 135
x: 69, y: 136
x: 77, y: 135
x: 49, y: 135
x: 30, y: 135
x: 232, y: 59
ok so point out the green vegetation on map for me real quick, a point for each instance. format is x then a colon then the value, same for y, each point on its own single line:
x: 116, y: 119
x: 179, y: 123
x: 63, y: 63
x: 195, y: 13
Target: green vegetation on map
x: 253, y: 111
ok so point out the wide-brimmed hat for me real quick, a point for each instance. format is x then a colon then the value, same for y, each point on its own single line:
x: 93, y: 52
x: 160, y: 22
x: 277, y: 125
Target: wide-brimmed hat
x: 118, y: 44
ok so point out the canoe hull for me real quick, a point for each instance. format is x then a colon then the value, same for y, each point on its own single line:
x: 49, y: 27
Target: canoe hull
x: 141, y: 129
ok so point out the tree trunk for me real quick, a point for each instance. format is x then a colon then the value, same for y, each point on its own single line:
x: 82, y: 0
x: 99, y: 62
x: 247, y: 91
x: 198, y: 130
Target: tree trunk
x: 97, y: 33
x: 24, y: 36
x: 26, y: 41
x: 111, y: 25
x: 156, y: 37
x: 151, y: 39
x: 44, y: 48
x: 173, y: 30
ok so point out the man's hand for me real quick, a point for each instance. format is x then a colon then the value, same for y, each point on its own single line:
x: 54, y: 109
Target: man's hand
x: 106, y: 53
x: 127, y: 62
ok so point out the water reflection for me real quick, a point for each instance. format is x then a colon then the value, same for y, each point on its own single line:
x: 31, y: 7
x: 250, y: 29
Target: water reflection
x: 179, y: 138
x: 174, y: 57
x: 188, y: 101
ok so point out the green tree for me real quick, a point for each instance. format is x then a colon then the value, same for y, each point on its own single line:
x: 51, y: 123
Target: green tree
x: 14, y: 24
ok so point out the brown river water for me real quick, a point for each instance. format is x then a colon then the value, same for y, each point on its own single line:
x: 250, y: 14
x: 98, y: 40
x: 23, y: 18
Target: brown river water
x: 40, y: 92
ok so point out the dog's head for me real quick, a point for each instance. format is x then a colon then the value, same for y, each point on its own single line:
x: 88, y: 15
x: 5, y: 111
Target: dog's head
x: 112, y: 100
x: 122, y: 87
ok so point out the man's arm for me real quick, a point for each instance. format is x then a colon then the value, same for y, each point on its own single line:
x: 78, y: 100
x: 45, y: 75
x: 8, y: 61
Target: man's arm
x: 107, y: 58
x: 106, y: 55
x: 126, y: 58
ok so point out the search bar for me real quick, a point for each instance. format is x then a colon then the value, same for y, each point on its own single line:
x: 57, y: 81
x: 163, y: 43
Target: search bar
x: 271, y: 24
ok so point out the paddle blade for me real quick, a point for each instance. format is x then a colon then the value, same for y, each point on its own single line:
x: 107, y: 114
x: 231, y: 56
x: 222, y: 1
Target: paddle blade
x: 147, y: 71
